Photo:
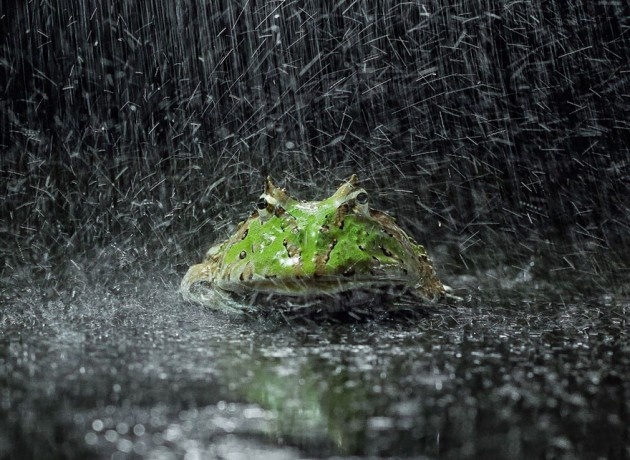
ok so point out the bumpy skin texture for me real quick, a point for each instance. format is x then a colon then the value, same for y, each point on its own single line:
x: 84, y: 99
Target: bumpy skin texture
x: 301, y: 249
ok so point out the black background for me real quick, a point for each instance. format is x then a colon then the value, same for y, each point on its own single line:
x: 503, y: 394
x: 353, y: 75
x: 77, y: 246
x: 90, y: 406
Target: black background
x: 481, y: 123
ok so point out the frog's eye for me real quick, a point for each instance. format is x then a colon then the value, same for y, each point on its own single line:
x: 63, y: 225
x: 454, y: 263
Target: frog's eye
x: 265, y: 208
x: 360, y: 198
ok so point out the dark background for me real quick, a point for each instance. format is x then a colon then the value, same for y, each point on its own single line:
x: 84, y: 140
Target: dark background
x: 135, y: 134
x: 476, y: 123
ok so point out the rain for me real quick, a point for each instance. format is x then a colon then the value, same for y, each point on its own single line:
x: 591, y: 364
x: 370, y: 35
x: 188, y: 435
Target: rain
x: 135, y: 135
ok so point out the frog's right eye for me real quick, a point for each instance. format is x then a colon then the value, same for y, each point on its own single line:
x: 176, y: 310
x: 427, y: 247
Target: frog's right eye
x: 362, y: 198
x: 359, y: 202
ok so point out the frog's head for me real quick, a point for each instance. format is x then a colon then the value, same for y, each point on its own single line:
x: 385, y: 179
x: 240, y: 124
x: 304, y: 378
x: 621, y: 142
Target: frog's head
x: 299, y: 248
x: 349, y: 197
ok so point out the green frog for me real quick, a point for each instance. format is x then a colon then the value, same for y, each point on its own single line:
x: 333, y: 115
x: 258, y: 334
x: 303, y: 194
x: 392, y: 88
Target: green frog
x: 337, y: 248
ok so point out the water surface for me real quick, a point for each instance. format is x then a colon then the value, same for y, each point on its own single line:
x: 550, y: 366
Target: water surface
x: 124, y: 367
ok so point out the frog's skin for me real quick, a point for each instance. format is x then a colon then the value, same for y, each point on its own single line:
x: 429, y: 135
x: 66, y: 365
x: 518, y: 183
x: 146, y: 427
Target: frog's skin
x: 306, y: 249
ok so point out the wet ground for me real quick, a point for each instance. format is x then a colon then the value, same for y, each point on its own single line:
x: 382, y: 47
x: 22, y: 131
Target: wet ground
x: 96, y: 365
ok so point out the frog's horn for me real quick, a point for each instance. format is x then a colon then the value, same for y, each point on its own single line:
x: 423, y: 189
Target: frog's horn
x: 269, y: 186
x: 346, y: 188
x: 277, y: 193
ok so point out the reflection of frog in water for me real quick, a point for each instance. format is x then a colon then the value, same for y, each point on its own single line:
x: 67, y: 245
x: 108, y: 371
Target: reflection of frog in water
x: 300, y: 250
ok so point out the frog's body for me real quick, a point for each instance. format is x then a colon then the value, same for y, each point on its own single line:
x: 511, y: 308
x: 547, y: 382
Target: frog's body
x: 313, y: 249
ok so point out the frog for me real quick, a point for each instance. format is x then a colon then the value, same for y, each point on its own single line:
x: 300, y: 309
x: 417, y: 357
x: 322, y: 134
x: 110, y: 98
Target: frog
x: 337, y: 248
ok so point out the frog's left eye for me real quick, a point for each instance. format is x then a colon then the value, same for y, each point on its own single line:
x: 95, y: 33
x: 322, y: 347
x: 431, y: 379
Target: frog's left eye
x: 265, y: 208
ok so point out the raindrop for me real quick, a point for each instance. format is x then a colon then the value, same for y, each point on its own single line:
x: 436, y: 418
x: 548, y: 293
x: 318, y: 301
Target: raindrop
x: 122, y: 428
x: 97, y: 425
x: 91, y: 438
x: 138, y: 429
x: 125, y: 445
x: 111, y: 435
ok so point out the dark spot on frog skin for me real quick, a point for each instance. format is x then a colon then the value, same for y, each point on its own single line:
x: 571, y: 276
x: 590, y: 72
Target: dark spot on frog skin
x: 324, y: 229
x: 331, y: 246
x: 322, y: 259
x: 292, y: 250
x: 242, y: 255
x: 386, y: 251
x: 340, y: 215
x: 245, y: 234
x: 247, y: 273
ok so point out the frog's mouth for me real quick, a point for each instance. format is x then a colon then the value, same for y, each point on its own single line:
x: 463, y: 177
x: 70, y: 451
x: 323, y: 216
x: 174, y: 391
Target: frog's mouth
x: 317, y: 286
